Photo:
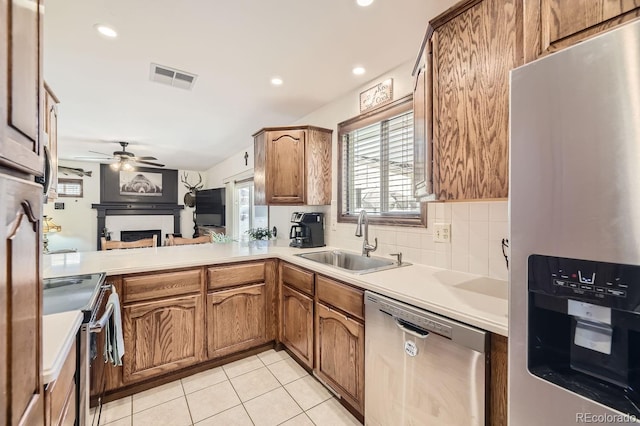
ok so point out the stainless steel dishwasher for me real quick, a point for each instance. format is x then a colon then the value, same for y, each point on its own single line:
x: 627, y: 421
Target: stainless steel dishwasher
x: 421, y: 368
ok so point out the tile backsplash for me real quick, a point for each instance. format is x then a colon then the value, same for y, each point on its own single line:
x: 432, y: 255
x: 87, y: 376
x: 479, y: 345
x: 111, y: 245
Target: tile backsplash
x: 477, y: 230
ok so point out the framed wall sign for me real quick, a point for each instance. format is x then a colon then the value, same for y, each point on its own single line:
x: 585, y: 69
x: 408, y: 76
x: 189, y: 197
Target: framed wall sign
x: 380, y: 94
x: 144, y: 185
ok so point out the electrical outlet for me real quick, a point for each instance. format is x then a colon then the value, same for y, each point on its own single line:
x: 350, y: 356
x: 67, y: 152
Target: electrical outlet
x: 442, y: 232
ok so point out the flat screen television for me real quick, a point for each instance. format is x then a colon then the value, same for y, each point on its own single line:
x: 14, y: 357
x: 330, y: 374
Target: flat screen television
x: 210, y: 207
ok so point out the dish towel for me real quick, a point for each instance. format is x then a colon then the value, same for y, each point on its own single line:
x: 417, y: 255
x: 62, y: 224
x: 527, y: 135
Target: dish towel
x: 114, y: 340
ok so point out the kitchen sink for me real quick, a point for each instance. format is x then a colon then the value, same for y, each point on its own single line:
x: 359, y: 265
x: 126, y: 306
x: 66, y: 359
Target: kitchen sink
x: 351, y: 262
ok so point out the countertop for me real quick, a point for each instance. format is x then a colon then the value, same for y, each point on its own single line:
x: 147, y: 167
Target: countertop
x: 58, y: 334
x: 475, y: 300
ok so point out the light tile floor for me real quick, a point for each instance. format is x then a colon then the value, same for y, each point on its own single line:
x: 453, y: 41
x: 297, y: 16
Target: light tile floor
x: 264, y: 390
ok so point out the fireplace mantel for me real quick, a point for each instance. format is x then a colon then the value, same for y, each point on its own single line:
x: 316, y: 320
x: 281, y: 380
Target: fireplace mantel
x: 131, y: 209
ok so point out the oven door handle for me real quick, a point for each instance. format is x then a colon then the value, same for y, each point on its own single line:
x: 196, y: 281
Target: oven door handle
x: 98, y: 326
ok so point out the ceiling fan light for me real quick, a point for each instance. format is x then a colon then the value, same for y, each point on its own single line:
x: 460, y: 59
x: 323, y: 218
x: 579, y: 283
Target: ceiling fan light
x: 115, y: 166
x: 127, y: 167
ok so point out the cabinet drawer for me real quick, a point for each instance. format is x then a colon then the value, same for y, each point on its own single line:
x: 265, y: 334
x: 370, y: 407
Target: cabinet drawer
x: 227, y: 276
x: 59, y: 391
x: 298, y: 278
x: 155, y: 286
x: 341, y: 296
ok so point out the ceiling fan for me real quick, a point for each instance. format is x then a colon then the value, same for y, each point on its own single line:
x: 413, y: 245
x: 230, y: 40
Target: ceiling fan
x: 123, y: 159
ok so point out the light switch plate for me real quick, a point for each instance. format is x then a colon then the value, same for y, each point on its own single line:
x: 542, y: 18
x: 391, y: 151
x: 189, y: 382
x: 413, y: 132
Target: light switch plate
x: 442, y: 232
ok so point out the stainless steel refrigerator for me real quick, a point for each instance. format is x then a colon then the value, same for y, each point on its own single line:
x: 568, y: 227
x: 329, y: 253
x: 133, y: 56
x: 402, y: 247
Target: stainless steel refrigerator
x: 574, y: 303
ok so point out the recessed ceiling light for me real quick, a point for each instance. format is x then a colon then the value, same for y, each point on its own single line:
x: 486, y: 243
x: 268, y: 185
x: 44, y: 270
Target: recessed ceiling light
x: 358, y: 70
x: 364, y: 3
x: 276, y: 81
x: 106, y: 30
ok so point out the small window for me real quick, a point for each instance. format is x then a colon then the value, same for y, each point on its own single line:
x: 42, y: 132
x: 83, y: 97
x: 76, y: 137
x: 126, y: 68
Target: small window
x: 376, y: 163
x: 70, y: 188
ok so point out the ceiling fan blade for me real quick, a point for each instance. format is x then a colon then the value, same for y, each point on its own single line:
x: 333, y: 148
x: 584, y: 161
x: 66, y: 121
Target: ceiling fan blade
x: 149, y: 163
x: 143, y: 158
x: 95, y: 158
x: 102, y: 153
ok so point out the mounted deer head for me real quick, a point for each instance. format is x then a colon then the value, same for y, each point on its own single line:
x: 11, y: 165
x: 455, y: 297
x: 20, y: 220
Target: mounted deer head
x: 190, y: 197
x: 192, y: 188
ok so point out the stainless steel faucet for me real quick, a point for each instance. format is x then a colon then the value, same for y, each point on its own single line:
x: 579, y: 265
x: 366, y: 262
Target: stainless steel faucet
x: 366, y: 247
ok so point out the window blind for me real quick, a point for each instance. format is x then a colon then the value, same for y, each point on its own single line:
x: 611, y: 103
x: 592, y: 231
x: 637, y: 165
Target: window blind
x: 378, y: 168
x: 70, y: 188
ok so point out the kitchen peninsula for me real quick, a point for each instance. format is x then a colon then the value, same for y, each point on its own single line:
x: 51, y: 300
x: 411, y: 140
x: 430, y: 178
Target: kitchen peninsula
x: 202, y: 289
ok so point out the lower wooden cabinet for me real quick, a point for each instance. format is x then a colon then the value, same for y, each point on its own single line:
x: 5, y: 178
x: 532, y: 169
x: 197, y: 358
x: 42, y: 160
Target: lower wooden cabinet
x: 340, y: 354
x: 297, y: 324
x: 60, y: 395
x: 236, y: 319
x: 162, y: 336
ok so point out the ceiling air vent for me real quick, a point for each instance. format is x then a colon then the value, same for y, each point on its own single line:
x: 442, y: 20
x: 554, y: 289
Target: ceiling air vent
x: 172, y: 77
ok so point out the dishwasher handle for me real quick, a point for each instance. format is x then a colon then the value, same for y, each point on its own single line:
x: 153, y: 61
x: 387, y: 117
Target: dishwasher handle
x: 411, y: 329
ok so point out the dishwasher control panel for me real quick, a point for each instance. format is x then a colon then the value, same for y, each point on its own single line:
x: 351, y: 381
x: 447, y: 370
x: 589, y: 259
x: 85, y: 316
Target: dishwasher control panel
x: 419, y: 321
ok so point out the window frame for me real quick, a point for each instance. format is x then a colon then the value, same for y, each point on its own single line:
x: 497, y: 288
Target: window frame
x: 70, y: 181
x: 382, y: 113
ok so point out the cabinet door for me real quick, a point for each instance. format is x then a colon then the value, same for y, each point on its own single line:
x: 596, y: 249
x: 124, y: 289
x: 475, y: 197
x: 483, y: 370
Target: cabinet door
x: 552, y: 25
x: 161, y: 337
x: 20, y: 50
x: 285, y: 176
x: 422, y: 181
x: 297, y: 324
x: 21, y: 387
x: 340, y: 354
x: 236, y: 319
x: 471, y: 67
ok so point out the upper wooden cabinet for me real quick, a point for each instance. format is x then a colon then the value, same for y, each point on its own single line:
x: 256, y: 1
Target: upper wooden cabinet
x: 20, y: 93
x: 292, y: 165
x: 51, y: 131
x: 473, y: 47
x: 551, y: 25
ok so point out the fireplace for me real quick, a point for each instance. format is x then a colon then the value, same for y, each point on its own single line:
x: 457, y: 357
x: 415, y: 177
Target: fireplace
x: 127, y: 236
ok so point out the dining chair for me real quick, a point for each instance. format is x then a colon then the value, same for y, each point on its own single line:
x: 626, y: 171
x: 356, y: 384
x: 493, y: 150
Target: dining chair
x: 179, y: 241
x: 113, y: 245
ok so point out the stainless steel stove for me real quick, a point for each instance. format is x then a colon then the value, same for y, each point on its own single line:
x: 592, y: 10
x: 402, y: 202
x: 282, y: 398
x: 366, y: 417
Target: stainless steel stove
x: 79, y: 293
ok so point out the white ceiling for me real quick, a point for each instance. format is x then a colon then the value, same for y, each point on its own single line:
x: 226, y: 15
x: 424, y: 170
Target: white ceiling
x: 235, y: 47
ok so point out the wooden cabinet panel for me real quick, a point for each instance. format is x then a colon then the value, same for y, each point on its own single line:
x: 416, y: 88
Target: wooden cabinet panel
x: 340, y: 354
x: 161, y: 285
x: 58, y: 393
x: 473, y: 52
x: 236, y: 319
x: 20, y: 49
x: 556, y: 24
x: 21, y: 391
x: 344, y: 297
x: 285, y: 167
x: 162, y: 336
x: 298, y: 278
x: 498, y: 381
x: 297, y: 324
x: 318, y: 167
x: 231, y: 275
x: 292, y: 165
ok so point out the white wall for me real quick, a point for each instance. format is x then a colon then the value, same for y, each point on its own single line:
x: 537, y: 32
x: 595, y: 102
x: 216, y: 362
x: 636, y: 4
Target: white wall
x: 230, y: 167
x: 79, y: 220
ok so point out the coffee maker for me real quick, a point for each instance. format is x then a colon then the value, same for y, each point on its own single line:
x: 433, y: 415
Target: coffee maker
x: 584, y: 328
x: 307, y: 231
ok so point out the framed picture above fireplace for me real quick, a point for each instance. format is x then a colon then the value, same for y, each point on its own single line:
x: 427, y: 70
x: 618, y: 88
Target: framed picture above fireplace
x: 143, y: 185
